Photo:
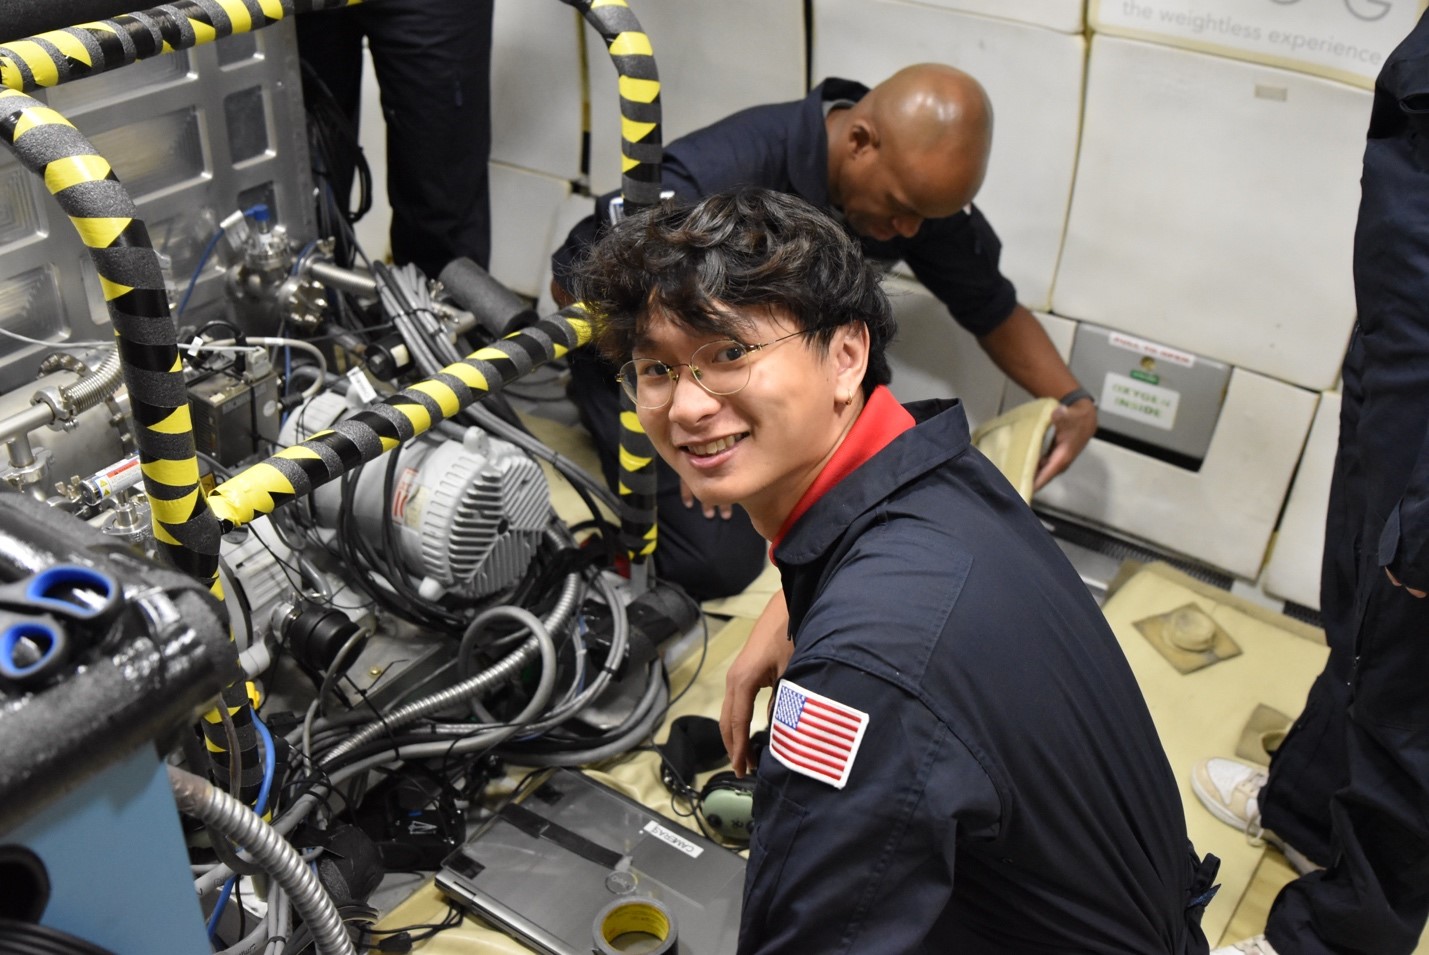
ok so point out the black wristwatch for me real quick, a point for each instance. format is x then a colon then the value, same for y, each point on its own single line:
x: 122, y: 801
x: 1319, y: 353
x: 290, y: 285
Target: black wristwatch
x: 1076, y: 395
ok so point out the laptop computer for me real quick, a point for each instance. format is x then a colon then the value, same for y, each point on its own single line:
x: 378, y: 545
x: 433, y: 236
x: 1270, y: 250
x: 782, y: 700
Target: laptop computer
x: 545, y: 868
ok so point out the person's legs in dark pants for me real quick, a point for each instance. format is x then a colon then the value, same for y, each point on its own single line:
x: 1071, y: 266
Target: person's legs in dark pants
x: 1359, y: 757
x: 709, y: 557
x: 1310, y: 765
x: 433, y: 63
x: 1374, y: 898
x: 330, y: 45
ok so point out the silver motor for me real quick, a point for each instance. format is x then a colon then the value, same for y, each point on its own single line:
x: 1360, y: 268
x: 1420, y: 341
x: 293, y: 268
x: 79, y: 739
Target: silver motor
x: 467, y: 515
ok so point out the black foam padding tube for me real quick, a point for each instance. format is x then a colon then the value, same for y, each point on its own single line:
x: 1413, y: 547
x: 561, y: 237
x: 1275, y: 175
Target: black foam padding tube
x: 498, y: 309
x: 164, y: 662
x: 641, y: 126
x: 73, y: 52
x: 24, y: 17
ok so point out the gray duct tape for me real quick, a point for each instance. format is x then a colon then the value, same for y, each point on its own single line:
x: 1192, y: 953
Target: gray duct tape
x: 640, y: 916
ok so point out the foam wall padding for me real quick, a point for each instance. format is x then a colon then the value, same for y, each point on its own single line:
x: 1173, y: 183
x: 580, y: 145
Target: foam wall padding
x: 1215, y: 207
x: 1222, y: 514
x: 1293, y: 571
x: 524, y: 207
x: 536, y: 79
x: 933, y: 357
x: 1347, y: 41
x: 1065, y: 16
x: 1034, y: 77
x: 714, y: 59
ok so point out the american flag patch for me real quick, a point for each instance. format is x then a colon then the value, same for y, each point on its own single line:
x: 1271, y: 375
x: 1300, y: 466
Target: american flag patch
x: 814, y: 735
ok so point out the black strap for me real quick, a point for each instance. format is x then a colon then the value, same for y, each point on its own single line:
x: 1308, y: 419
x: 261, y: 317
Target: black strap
x: 538, y: 827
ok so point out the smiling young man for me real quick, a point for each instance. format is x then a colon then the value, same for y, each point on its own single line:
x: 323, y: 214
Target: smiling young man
x: 959, y: 758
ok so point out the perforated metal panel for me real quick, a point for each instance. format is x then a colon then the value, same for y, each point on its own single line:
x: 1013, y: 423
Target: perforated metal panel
x: 193, y: 135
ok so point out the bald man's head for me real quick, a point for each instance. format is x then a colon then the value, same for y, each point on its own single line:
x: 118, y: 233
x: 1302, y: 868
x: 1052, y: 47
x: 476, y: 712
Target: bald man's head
x: 914, y: 148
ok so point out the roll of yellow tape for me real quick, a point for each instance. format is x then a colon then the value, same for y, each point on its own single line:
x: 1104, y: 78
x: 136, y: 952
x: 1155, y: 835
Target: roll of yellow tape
x: 648, y: 917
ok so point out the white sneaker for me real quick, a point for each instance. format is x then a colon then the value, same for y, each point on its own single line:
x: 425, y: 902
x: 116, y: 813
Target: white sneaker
x: 1251, y: 946
x: 1230, y: 790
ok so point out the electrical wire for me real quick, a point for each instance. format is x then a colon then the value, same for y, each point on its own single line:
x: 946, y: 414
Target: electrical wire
x: 218, y: 907
x: 57, y: 346
x: 270, y: 761
x: 198, y: 271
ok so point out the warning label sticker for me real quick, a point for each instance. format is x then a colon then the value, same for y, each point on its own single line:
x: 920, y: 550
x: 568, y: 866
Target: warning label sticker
x: 1147, y: 403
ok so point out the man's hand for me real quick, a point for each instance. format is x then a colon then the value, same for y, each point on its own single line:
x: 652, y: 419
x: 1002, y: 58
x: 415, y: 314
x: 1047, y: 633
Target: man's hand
x: 762, y: 661
x: 1021, y: 350
x: 726, y: 511
x: 1392, y: 579
x: 1072, y: 427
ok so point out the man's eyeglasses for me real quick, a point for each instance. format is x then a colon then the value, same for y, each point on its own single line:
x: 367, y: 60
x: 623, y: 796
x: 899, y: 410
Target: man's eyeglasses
x: 721, y: 368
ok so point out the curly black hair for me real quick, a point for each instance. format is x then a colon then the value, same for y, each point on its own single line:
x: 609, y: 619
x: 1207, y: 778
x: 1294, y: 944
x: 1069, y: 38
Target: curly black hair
x: 751, y: 248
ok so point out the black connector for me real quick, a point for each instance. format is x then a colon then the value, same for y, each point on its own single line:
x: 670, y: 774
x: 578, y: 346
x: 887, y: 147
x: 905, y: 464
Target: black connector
x: 661, y: 613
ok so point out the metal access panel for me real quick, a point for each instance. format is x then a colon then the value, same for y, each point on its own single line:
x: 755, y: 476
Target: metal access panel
x: 193, y: 135
x: 1151, y: 397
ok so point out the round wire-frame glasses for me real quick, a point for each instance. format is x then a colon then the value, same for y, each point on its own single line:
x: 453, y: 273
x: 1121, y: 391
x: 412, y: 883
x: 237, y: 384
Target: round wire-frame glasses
x: 721, y: 368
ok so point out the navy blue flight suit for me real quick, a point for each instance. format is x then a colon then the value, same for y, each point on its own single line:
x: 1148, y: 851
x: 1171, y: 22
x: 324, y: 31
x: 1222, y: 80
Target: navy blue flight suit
x: 1350, y: 785
x: 1010, y: 795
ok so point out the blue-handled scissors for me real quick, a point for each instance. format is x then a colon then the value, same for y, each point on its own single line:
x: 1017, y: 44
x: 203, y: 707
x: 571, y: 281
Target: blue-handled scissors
x: 47, y: 617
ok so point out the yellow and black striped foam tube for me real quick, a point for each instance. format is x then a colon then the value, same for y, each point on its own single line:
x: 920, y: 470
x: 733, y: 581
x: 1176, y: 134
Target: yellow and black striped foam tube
x: 640, y: 127
x: 638, y: 530
x: 58, y: 56
x: 383, y: 425
x: 104, y: 215
x: 102, y: 212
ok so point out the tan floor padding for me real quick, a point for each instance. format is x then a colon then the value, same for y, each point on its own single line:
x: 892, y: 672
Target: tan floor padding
x: 1201, y: 714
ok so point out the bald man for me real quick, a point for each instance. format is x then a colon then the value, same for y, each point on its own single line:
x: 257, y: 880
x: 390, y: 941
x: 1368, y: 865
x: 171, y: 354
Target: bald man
x: 900, y: 165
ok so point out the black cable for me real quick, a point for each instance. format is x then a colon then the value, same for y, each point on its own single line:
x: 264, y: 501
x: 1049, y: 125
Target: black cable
x: 355, y: 553
x: 26, y: 938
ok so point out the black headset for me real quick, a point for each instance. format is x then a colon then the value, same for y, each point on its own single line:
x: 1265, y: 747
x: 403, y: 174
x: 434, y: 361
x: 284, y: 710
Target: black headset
x: 726, y: 802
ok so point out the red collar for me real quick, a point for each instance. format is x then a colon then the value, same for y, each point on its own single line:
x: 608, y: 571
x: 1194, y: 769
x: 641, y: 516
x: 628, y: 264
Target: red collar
x: 881, y: 420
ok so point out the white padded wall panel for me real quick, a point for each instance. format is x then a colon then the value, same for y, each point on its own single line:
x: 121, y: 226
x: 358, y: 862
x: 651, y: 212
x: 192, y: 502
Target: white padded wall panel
x: 1065, y: 16
x: 1062, y: 332
x: 1034, y: 77
x: 1214, y: 208
x: 1347, y: 40
x: 374, y: 229
x: 1293, y: 571
x: 933, y: 357
x: 524, y: 207
x: 714, y: 59
x: 1223, y: 514
x: 536, y: 86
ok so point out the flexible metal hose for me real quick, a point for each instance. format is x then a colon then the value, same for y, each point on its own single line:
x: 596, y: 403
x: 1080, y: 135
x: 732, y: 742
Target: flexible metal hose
x: 95, y: 386
x: 197, y: 798
x: 540, y: 641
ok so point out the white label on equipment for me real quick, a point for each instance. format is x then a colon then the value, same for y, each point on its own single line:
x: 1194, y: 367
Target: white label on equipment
x: 678, y: 841
x: 1139, y: 401
x: 1143, y: 347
